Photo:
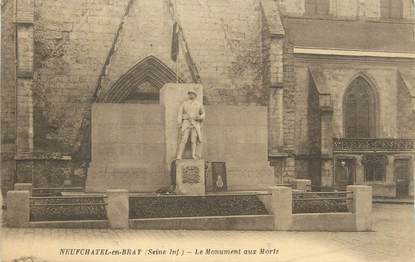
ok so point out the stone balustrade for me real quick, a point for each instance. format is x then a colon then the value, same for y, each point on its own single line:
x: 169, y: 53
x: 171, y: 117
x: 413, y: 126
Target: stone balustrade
x: 372, y: 144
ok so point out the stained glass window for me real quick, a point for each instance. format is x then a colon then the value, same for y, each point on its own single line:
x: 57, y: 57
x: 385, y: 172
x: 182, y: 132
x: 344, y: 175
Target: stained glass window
x: 359, y: 110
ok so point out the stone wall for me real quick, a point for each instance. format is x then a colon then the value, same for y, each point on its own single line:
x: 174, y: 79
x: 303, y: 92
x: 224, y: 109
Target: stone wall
x: 313, y: 121
x: 290, y: 91
x: 289, y: 115
x: 292, y: 7
x: 72, y: 40
x: 8, y: 96
x: 344, y: 9
x: 224, y: 41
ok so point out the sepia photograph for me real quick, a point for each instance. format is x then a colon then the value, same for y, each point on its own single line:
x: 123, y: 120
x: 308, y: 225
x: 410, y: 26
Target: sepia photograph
x: 207, y: 130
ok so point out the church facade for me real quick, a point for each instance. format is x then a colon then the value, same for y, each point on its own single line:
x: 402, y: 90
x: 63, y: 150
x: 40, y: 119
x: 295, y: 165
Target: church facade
x: 336, y: 76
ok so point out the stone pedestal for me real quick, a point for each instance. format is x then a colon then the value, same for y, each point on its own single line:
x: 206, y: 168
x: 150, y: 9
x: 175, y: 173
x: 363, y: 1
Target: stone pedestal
x: 362, y: 206
x: 281, y: 207
x: 117, y: 208
x: 302, y: 184
x: 190, y: 177
x: 23, y: 187
x: 18, y: 208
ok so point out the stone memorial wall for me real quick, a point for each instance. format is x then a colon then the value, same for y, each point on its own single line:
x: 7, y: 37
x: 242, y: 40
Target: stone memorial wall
x: 133, y: 145
x: 127, y: 148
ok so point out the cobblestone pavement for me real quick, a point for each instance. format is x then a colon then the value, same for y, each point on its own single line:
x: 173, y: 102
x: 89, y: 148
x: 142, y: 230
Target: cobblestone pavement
x: 392, y: 240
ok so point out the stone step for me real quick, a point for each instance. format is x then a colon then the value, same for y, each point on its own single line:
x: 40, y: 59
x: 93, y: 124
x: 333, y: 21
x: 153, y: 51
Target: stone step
x: 238, y: 222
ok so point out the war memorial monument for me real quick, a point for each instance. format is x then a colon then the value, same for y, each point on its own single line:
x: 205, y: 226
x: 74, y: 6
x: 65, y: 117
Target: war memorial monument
x: 230, y: 115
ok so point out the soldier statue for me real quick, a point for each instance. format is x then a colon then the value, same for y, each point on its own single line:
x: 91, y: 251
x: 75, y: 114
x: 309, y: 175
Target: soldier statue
x: 189, y: 120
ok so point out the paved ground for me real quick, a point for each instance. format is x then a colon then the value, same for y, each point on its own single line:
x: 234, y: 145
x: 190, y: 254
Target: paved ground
x: 392, y: 240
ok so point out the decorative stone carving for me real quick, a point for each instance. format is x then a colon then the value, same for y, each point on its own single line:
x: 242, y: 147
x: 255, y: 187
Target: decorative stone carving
x: 190, y: 177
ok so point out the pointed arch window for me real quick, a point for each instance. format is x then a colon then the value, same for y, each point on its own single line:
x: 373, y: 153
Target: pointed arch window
x: 317, y: 7
x: 391, y: 9
x: 359, y: 110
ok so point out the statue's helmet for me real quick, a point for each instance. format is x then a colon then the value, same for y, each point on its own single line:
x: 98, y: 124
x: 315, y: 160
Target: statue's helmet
x: 192, y: 92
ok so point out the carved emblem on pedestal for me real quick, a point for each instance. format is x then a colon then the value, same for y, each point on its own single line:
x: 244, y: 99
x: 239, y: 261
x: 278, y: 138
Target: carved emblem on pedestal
x: 191, y: 174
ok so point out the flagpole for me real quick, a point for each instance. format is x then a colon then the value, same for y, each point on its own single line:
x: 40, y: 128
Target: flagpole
x: 178, y: 40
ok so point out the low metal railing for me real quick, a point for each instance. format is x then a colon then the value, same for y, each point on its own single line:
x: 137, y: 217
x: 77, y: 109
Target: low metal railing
x: 54, y: 191
x: 322, y: 202
x: 196, y: 206
x: 68, y: 208
x: 332, y: 189
x: 286, y: 185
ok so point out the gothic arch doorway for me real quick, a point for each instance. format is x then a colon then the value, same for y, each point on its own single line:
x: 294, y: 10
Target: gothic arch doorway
x: 140, y: 84
x: 359, y: 107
